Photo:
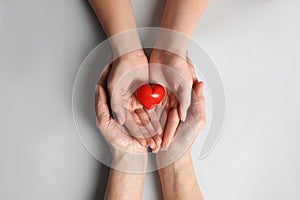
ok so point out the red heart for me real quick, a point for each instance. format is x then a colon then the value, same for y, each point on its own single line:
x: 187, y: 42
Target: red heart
x: 150, y: 96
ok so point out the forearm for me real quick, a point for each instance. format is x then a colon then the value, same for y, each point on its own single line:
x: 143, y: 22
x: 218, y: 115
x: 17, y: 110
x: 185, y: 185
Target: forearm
x: 117, y: 18
x: 115, y: 15
x: 182, y: 16
x: 179, y: 181
x: 179, y: 21
x: 123, y: 185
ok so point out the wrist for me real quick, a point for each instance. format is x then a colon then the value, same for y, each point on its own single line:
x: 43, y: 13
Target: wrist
x: 124, y: 43
x: 136, y: 55
x: 163, y: 56
x: 131, y: 60
x: 179, y: 163
x: 172, y: 41
x: 129, y: 162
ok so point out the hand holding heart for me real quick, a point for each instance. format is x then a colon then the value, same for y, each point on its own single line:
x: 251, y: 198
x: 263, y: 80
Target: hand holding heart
x: 138, y: 111
x: 150, y: 96
x: 124, y: 75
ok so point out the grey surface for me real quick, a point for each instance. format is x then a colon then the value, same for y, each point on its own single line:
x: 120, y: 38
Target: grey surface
x: 255, y: 46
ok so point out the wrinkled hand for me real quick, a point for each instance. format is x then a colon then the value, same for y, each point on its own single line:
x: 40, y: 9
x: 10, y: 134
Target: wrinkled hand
x: 187, y: 131
x: 127, y: 73
x: 173, y: 72
x: 179, y: 138
x: 127, y: 153
x: 168, y: 112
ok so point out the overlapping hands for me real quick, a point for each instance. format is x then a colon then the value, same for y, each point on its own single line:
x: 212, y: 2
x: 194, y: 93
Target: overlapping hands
x: 171, y: 126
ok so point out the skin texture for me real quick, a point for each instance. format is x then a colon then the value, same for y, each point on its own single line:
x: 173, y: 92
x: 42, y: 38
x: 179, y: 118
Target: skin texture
x: 116, y: 16
x: 173, y: 72
x: 120, y: 143
x: 127, y: 73
x: 168, y: 111
x: 179, y: 176
x: 178, y: 179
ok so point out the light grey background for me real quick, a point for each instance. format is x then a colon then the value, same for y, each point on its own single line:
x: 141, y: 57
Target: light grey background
x: 255, y: 45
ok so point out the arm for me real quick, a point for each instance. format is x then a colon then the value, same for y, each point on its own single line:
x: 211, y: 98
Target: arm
x: 182, y: 16
x: 123, y: 185
x: 129, y: 158
x: 175, y: 165
x: 179, y: 21
x: 130, y: 65
x: 115, y: 15
x: 179, y: 180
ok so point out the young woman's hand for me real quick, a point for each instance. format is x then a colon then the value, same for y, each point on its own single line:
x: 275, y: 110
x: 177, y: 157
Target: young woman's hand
x: 127, y: 73
x: 122, y: 78
x: 172, y: 71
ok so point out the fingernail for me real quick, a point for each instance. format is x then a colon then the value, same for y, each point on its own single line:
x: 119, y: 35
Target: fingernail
x: 183, y: 117
x: 164, y: 149
x: 120, y: 120
x: 155, y: 152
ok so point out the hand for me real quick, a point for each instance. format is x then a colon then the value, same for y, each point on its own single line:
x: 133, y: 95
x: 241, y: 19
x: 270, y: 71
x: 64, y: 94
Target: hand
x: 127, y: 153
x: 182, y: 136
x: 126, y: 74
x: 144, y: 125
x: 173, y: 72
x: 168, y: 112
x: 187, y: 131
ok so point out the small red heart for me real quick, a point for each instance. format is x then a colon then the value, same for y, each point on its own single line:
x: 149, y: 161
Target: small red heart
x: 150, y: 96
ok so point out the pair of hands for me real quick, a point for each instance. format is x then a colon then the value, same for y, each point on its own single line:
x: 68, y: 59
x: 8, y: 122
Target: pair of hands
x: 166, y: 115
x: 132, y: 70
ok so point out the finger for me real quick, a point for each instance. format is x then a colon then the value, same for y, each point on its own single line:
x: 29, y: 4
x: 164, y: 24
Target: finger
x: 138, y: 134
x: 170, y: 129
x: 134, y: 104
x: 145, y: 121
x: 150, y: 142
x: 158, y: 141
x: 104, y: 76
x: 184, y: 100
x: 102, y: 111
x: 162, y: 115
x: 198, y: 105
x: 163, y: 118
x: 192, y: 68
x: 119, y: 112
x: 142, y: 141
x: 159, y: 110
x: 133, y: 128
x: 155, y: 121
x: 147, y: 129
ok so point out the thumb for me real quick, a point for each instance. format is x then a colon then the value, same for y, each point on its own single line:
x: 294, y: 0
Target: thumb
x: 119, y: 112
x: 184, y: 101
x: 102, y: 110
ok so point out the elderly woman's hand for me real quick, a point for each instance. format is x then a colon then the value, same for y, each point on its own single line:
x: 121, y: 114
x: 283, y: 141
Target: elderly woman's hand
x: 127, y: 153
